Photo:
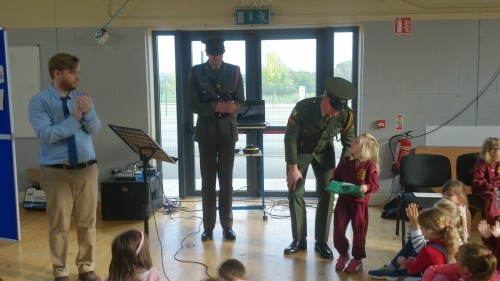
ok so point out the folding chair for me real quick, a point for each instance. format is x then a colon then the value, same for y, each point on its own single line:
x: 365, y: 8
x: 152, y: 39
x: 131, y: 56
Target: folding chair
x: 419, y: 173
x: 464, y: 166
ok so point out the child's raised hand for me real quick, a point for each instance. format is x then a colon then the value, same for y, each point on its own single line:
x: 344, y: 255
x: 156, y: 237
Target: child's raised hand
x: 412, y: 213
x: 364, y: 188
x: 495, y: 229
x: 484, y: 229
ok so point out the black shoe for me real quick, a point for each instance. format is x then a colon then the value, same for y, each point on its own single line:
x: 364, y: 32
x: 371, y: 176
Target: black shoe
x: 207, y: 235
x: 89, y: 276
x: 323, y: 250
x: 295, y: 246
x: 229, y: 234
x: 388, y: 215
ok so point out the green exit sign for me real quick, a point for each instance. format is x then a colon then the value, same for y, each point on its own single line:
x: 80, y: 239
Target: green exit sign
x: 252, y: 16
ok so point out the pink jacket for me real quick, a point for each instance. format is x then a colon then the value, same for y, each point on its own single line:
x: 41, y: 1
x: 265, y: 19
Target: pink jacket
x: 451, y: 271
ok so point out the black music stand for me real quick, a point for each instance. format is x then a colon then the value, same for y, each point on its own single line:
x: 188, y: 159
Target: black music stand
x: 148, y: 149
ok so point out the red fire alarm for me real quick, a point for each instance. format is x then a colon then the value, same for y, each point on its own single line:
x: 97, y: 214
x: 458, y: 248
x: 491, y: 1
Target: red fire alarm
x: 380, y: 124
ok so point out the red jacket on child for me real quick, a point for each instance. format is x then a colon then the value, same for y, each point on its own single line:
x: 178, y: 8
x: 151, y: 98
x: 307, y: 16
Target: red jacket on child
x: 427, y: 256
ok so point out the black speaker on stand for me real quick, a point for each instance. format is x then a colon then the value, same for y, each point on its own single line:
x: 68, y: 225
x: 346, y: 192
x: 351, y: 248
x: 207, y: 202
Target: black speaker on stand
x: 147, y: 149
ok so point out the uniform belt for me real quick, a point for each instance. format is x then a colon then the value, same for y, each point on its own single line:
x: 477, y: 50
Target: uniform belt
x: 78, y: 166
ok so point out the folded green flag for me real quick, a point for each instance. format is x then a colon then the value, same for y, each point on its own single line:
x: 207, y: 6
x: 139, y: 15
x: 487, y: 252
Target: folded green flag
x: 345, y: 188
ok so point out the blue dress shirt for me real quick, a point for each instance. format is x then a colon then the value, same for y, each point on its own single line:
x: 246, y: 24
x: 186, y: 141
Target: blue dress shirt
x: 47, y: 118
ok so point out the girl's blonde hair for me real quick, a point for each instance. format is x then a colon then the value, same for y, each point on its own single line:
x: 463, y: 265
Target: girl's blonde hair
x: 453, y: 212
x: 478, y: 260
x: 130, y: 256
x: 369, y: 149
x: 490, y: 143
x: 438, y: 221
x: 456, y: 187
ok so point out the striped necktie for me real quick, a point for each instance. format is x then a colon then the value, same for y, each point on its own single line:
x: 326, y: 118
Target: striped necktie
x: 73, y: 158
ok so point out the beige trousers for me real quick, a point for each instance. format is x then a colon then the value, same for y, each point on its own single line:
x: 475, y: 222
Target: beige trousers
x: 71, y: 193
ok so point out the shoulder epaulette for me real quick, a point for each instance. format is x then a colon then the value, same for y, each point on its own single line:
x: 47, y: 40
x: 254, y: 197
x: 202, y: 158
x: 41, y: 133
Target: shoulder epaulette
x: 349, y: 121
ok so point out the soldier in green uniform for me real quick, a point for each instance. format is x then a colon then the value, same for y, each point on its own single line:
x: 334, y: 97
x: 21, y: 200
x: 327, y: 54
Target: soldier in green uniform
x: 215, y: 94
x: 312, y: 125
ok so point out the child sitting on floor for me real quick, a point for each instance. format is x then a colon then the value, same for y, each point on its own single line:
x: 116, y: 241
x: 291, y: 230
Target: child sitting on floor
x: 417, y: 240
x: 490, y: 235
x: 131, y: 258
x: 454, y: 190
x: 232, y: 270
x: 441, y: 246
x: 473, y: 263
x: 453, y: 212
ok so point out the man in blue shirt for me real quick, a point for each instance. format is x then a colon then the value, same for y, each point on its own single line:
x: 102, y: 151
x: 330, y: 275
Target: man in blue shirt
x: 64, y: 121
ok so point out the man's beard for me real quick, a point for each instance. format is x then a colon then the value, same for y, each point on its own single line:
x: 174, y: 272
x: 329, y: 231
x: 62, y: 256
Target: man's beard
x: 67, y: 86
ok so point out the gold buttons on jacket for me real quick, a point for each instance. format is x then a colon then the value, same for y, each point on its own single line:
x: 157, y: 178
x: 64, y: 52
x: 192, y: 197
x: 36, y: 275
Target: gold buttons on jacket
x: 315, y: 150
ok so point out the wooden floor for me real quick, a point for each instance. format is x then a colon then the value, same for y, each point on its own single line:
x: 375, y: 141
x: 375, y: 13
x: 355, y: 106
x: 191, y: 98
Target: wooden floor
x: 176, y: 238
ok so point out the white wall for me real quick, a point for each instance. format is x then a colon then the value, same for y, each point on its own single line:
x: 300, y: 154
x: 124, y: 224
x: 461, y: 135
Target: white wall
x: 428, y: 76
x: 114, y: 74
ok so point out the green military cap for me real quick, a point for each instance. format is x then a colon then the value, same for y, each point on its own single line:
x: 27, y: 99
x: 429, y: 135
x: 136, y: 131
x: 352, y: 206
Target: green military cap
x: 214, y: 46
x: 339, y: 89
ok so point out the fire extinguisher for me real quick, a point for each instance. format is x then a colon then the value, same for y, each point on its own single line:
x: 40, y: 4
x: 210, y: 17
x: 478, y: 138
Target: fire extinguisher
x: 403, y: 148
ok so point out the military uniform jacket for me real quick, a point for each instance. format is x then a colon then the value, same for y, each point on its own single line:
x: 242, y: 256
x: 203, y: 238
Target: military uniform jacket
x: 206, y: 88
x: 306, y: 137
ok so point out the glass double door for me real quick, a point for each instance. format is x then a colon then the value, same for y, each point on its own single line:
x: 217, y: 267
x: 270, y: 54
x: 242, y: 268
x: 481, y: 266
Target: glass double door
x: 280, y: 71
x: 278, y: 66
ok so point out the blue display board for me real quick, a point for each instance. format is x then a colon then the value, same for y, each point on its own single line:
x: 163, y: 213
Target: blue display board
x: 9, y: 209
x: 5, y: 114
x: 9, y: 219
